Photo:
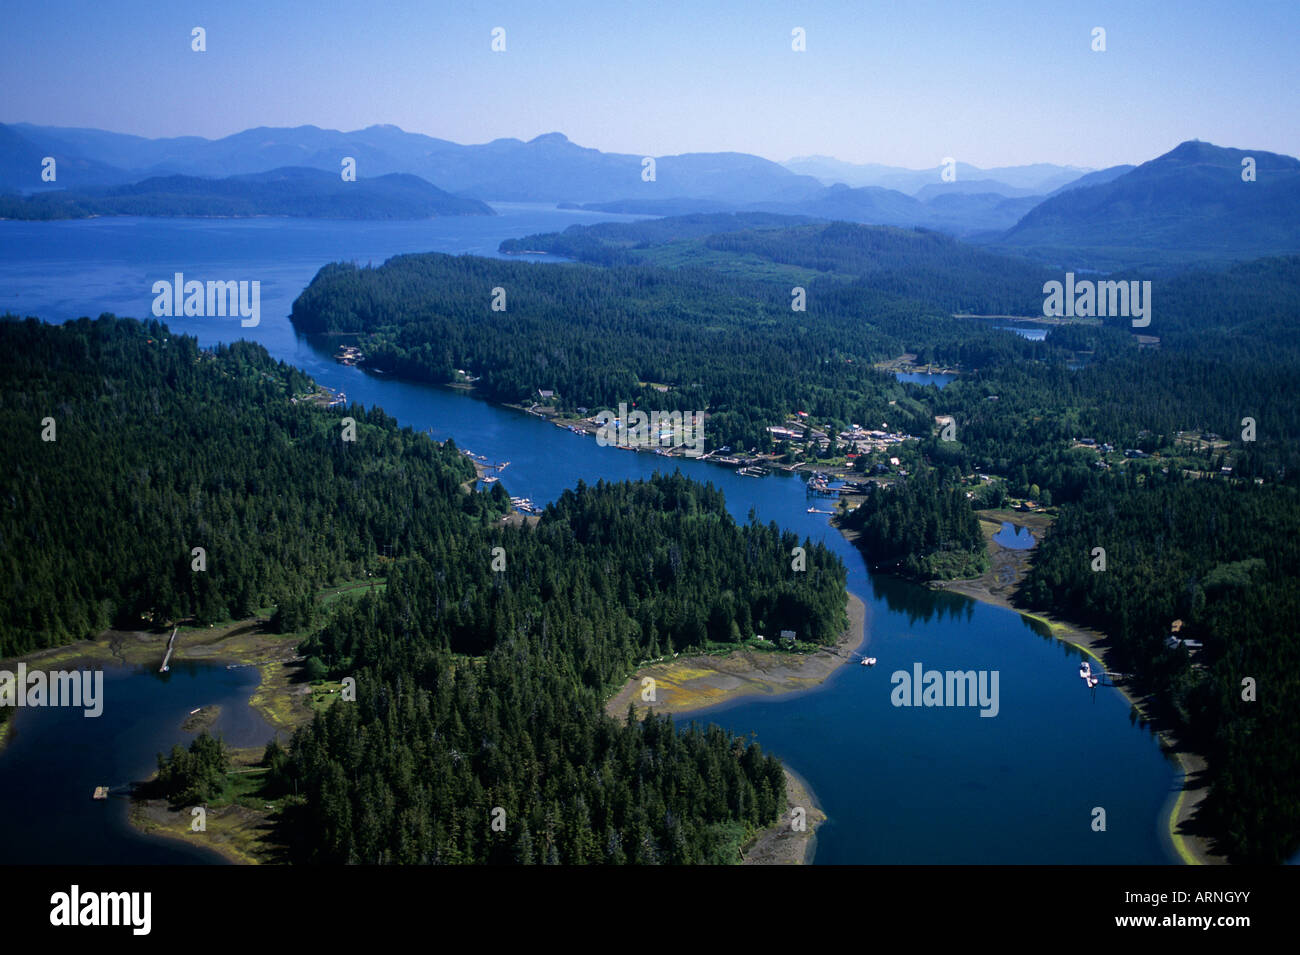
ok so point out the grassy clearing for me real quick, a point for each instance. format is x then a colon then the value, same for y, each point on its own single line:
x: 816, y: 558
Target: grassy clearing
x: 324, y: 694
x: 239, y: 823
x: 328, y: 596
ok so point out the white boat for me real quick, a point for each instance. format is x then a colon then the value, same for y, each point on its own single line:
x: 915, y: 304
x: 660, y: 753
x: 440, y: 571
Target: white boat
x: 868, y: 661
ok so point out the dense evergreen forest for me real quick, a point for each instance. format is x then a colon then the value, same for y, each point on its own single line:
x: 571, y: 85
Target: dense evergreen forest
x: 713, y: 323
x: 160, y: 448
x: 479, y: 691
x: 923, y: 527
x: 601, y: 336
x: 612, y: 574
x: 192, y: 776
x: 1201, y: 510
x: 1224, y: 559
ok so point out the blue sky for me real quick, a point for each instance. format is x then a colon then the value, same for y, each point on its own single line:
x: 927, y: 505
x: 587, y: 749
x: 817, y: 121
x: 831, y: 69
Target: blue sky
x: 905, y: 82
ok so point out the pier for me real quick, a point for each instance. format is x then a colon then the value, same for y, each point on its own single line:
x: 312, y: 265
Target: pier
x: 171, y: 645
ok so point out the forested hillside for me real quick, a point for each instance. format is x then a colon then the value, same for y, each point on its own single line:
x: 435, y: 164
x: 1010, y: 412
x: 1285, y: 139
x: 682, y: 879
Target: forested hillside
x: 712, y: 324
x: 1195, y: 202
x: 923, y: 527
x: 159, y: 448
x: 478, y: 687
x: 612, y: 574
x: 309, y: 193
x: 914, y: 263
x: 723, y: 340
x: 1224, y: 559
x: 1211, y: 393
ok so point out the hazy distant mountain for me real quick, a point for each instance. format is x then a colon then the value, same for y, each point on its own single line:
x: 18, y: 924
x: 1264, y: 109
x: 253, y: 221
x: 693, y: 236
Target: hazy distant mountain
x: 1190, y: 203
x: 120, y: 150
x: 1010, y: 181
x: 1095, y: 178
x: 681, y: 206
x: 870, y: 204
x: 290, y: 191
x: 958, y: 213
x: 548, y: 168
x: 974, y: 187
x: 967, y: 214
x: 21, y: 165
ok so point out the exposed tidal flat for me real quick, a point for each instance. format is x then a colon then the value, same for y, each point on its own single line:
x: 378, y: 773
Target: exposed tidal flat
x: 897, y: 785
x: 693, y: 682
x: 688, y: 685
x: 240, y: 680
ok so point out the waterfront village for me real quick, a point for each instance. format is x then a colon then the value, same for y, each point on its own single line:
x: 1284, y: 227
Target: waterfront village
x: 846, y: 464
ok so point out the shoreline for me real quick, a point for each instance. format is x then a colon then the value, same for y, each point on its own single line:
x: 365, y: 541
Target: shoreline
x: 236, y: 833
x: 281, y: 701
x: 995, y: 587
x: 693, y: 686
x: 780, y: 844
x: 1191, y: 849
x: 568, y: 421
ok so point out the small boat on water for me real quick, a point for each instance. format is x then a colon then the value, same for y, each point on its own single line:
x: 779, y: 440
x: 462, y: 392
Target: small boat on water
x: 101, y: 792
x: 491, y: 479
x: 868, y: 661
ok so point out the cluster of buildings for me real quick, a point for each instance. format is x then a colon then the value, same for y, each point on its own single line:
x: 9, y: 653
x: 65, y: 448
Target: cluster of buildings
x: 855, y: 440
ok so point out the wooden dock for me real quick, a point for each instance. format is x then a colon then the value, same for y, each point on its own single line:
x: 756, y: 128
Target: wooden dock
x: 171, y: 645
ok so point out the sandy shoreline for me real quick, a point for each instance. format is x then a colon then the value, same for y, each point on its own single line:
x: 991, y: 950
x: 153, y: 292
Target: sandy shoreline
x: 236, y: 833
x: 692, y: 683
x: 782, y: 843
x: 998, y: 586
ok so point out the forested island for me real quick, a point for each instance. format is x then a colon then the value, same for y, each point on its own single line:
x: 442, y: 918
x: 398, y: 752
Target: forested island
x: 479, y: 688
x: 291, y: 191
x: 1174, y: 447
